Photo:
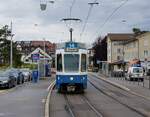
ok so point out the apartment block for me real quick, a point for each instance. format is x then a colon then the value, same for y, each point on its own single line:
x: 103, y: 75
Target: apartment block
x: 115, y: 46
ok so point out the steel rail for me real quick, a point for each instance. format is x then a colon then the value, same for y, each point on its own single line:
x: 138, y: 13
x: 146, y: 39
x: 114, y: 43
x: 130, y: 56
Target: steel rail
x: 99, y: 114
x: 68, y: 107
x: 117, y: 100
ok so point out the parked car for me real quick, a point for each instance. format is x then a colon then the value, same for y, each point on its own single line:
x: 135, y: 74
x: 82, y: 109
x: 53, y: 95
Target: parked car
x: 18, y: 74
x: 27, y: 74
x: 95, y: 69
x: 7, y: 80
x: 90, y: 69
x: 135, y: 73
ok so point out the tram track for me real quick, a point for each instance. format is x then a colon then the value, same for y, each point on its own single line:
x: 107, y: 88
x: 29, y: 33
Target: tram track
x: 71, y: 110
x: 99, y: 114
x: 142, y: 113
x: 68, y: 107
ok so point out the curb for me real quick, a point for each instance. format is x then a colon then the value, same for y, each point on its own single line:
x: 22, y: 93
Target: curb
x: 47, y: 107
x: 5, y: 91
x: 121, y: 87
x: 112, y: 83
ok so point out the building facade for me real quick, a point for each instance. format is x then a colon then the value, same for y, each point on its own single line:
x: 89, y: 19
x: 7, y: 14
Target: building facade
x: 26, y: 47
x: 144, y: 46
x: 131, y: 48
x: 116, y: 46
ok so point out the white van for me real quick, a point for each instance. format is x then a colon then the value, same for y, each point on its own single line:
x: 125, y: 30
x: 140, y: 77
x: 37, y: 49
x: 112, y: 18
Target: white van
x: 135, y: 73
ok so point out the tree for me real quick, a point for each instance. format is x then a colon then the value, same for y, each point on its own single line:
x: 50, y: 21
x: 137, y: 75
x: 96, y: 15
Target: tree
x: 5, y: 33
x: 4, y: 44
x: 137, y: 31
x: 100, y: 50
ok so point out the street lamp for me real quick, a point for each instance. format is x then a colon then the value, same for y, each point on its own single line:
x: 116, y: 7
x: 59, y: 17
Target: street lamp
x: 11, y: 47
x: 44, y: 55
x: 43, y: 4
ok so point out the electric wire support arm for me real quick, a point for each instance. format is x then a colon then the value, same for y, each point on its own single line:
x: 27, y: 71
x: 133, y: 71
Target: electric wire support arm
x: 71, y: 29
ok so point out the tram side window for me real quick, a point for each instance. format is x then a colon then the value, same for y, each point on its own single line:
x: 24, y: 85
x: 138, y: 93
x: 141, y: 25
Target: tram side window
x: 59, y: 62
x: 83, y: 63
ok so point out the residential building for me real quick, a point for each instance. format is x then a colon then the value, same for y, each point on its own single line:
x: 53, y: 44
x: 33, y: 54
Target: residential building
x: 144, y: 46
x: 131, y: 50
x: 26, y: 47
x: 115, y: 46
x: 90, y: 56
x: 138, y: 48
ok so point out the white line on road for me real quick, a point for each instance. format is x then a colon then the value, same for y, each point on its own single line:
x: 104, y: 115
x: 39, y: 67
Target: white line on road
x: 47, y: 108
x: 48, y: 88
x: 43, y: 100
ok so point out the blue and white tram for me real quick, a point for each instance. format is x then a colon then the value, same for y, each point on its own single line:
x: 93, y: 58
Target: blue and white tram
x: 71, y: 67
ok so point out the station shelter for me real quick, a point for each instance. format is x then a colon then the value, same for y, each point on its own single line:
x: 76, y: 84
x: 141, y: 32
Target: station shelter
x: 42, y: 60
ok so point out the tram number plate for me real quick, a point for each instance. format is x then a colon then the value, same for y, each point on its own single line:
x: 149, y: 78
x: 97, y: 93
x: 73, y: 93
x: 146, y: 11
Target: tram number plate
x: 70, y: 88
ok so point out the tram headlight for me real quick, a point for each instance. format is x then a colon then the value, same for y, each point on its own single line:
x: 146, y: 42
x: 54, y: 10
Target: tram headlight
x: 58, y: 78
x: 71, y: 78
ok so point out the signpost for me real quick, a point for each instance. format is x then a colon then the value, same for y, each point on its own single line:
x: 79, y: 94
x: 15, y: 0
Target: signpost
x: 36, y: 57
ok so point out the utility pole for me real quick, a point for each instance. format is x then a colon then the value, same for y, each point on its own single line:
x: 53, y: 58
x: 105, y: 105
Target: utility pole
x: 44, y: 57
x: 11, y: 47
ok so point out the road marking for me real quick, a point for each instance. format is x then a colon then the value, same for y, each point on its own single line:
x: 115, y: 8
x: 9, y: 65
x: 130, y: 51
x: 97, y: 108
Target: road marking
x: 47, y: 108
x: 1, y: 91
x: 49, y: 87
x: 5, y: 91
x: 43, y: 100
x: 2, y: 114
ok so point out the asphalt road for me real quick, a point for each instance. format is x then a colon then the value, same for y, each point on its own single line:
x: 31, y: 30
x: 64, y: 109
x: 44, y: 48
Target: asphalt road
x: 28, y: 100
x: 24, y: 101
x: 117, y: 103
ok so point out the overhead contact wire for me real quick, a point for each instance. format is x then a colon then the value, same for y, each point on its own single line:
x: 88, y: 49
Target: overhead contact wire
x: 110, y: 16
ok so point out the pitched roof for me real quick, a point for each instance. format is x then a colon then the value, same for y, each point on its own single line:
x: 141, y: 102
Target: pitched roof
x: 120, y: 36
x: 41, y: 52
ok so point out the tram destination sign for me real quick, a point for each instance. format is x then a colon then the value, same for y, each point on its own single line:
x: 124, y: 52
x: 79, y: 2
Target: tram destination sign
x: 71, y: 47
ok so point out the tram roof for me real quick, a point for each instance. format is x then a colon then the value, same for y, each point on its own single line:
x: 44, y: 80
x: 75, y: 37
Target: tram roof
x: 64, y: 45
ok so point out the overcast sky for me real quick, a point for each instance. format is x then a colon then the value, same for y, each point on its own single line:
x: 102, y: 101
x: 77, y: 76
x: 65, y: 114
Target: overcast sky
x: 30, y: 23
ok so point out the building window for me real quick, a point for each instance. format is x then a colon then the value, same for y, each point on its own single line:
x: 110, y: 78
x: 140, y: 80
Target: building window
x: 145, y: 42
x: 145, y: 53
x: 119, y: 50
x: 118, y: 57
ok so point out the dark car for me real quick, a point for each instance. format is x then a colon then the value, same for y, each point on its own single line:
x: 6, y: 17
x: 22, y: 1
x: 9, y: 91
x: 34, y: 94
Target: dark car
x: 7, y: 80
x: 18, y: 74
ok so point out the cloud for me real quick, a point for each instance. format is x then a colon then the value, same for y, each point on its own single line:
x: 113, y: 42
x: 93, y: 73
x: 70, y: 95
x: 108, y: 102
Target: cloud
x: 26, y: 13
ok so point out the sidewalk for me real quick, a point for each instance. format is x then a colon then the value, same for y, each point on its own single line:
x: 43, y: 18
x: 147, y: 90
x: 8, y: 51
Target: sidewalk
x: 133, y: 86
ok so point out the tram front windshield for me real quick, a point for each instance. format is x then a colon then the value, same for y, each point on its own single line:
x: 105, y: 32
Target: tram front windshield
x: 71, y: 62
